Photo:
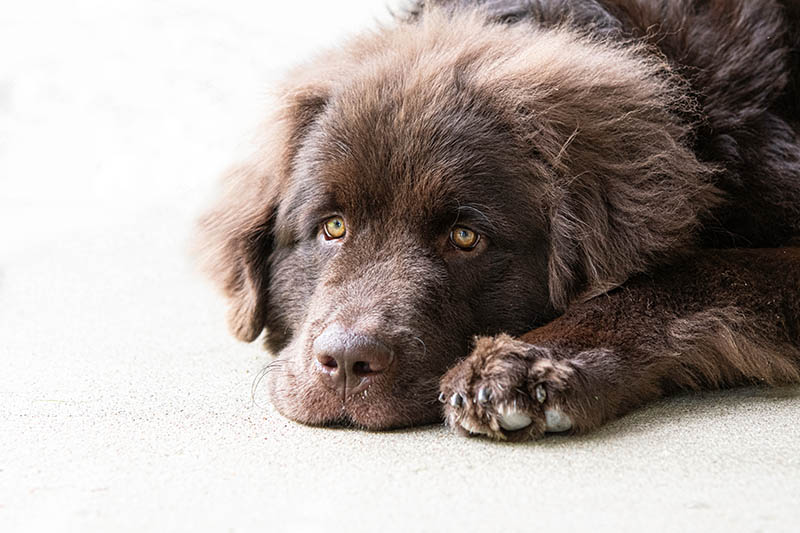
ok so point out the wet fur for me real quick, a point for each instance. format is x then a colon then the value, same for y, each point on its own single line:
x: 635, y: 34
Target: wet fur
x: 606, y: 149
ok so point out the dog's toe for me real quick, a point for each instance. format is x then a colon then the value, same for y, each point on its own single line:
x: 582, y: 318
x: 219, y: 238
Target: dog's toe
x: 506, y: 389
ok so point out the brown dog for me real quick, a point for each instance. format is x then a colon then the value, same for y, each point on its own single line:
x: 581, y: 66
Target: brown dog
x: 551, y: 169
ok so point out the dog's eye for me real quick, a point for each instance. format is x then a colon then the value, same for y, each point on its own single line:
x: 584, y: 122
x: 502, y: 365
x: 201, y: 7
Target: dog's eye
x: 333, y: 228
x: 464, y: 238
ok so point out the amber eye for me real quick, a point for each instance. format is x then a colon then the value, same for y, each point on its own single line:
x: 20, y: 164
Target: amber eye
x: 464, y: 238
x: 333, y: 228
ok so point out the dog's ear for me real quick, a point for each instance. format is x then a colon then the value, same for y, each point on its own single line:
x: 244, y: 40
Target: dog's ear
x: 619, y: 184
x: 627, y: 190
x: 235, y: 239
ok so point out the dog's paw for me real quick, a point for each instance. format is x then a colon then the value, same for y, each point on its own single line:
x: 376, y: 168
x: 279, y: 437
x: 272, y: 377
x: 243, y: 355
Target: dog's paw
x: 507, y: 389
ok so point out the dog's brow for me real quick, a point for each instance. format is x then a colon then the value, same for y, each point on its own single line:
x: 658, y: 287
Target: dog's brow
x: 463, y: 209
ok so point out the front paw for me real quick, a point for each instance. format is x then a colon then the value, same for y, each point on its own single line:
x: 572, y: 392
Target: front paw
x: 507, y: 389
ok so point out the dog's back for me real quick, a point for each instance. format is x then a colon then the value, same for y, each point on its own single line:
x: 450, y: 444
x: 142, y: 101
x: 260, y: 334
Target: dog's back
x: 791, y: 100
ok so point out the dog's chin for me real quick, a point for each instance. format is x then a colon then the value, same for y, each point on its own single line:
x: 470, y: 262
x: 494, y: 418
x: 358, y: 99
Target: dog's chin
x: 310, y: 404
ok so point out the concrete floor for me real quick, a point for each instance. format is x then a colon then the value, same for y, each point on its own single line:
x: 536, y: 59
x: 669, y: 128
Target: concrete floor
x: 126, y: 405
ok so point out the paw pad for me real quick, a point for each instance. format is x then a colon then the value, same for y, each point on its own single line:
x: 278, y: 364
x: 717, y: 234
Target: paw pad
x: 513, y: 420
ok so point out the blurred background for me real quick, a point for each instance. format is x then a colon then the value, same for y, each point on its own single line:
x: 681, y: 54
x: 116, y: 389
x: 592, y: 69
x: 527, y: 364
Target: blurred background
x: 109, y: 110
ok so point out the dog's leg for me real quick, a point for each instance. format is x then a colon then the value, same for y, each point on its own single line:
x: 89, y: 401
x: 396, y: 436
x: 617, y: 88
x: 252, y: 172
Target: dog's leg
x: 720, y: 318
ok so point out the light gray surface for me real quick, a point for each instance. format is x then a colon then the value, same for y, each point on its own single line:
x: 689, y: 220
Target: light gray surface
x: 126, y: 405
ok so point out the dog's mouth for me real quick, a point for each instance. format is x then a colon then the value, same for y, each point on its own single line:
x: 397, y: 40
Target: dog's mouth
x: 346, y: 421
x: 356, y: 376
x: 380, y: 401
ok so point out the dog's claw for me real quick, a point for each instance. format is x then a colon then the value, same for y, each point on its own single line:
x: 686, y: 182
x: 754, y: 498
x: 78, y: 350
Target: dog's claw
x: 456, y: 400
x: 541, y: 393
x: 484, y: 395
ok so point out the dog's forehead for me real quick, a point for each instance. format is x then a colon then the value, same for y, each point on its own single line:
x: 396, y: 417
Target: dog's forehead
x: 422, y: 147
x: 416, y: 153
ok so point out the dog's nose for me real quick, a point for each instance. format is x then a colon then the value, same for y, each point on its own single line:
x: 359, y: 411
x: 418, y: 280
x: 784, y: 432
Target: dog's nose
x: 350, y: 361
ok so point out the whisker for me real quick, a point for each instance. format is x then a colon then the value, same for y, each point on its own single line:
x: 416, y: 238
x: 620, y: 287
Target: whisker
x: 427, y: 390
x: 424, y: 348
x: 270, y: 367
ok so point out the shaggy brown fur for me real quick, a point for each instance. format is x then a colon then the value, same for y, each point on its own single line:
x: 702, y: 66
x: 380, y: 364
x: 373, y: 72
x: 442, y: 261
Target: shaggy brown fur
x: 598, y: 148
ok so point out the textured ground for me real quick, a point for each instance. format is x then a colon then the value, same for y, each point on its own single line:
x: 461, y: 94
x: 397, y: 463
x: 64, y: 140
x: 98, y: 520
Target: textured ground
x: 125, y: 405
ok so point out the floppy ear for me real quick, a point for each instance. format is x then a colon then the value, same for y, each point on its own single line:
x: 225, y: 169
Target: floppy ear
x: 606, y: 129
x: 235, y: 239
x: 627, y: 190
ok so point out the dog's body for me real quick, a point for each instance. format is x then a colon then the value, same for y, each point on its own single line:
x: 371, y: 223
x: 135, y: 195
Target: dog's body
x: 567, y: 172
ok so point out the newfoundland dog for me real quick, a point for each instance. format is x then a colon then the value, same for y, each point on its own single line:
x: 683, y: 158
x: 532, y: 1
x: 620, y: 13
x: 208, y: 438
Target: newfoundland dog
x: 523, y: 216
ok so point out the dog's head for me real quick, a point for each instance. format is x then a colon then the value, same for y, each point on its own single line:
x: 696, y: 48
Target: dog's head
x: 435, y: 181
